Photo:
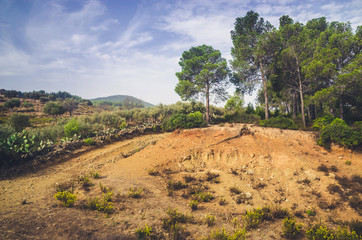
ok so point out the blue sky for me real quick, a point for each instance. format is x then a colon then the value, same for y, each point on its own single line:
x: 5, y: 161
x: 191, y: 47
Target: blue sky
x: 99, y: 48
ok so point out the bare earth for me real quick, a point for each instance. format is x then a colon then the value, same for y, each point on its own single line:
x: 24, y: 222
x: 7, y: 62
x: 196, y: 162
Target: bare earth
x: 275, y: 167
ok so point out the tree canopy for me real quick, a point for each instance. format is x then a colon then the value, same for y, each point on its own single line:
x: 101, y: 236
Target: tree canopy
x: 203, y: 72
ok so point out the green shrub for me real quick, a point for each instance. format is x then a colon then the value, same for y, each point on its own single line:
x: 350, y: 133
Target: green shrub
x: 135, y: 193
x: 123, y: 125
x: 173, y: 218
x: 85, y: 181
x: 53, y: 108
x: 185, y: 121
x: 194, y: 204
x: 340, y: 133
x: 171, y: 185
x: 72, y: 128
x: 103, y: 205
x: 320, y: 232
x: 144, y: 233
x: 19, y: 121
x: 279, y: 122
x: 241, y: 117
x: 203, y: 197
x: 210, y: 220
x: 27, y: 104
x: 67, y: 198
x: 321, y: 122
x: 89, y: 142
x: 5, y: 131
x: 253, y: 218
x: 12, y: 103
x: 223, y: 235
x: 311, y: 212
x: 290, y: 228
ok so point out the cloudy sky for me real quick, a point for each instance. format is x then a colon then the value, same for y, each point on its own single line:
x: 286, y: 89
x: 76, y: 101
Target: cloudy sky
x: 94, y: 48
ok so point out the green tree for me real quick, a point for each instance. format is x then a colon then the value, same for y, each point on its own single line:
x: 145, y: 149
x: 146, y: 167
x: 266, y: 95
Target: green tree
x: 12, y: 103
x: 203, y: 72
x: 252, y: 51
x: 234, y: 103
x: 53, y: 108
x: 19, y: 121
x: 70, y: 105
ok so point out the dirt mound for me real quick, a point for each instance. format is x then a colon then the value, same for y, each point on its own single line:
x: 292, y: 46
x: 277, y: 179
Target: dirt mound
x: 228, y: 169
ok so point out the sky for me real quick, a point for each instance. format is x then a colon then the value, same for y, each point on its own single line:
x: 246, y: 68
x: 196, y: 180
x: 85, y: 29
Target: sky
x: 98, y: 48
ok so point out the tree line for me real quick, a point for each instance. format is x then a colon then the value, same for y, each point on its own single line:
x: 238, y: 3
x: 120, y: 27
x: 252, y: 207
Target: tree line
x: 307, y: 70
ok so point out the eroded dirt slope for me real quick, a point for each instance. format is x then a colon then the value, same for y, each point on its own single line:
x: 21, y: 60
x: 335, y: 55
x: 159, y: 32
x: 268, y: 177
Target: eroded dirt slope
x: 269, y: 167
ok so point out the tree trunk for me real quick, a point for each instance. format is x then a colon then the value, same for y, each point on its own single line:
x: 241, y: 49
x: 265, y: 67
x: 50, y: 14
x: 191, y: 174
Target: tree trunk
x: 301, y: 95
x: 207, y: 92
x: 294, y: 105
x: 340, y: 107
x: 265, y: 91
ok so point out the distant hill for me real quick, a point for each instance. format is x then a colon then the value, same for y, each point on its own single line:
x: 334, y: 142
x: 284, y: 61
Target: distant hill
x: 124, y: 100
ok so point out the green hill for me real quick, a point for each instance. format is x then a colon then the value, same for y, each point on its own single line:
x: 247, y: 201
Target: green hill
x: 124, y: 100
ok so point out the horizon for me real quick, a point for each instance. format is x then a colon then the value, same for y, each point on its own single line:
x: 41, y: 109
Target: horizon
x: 103, y: 48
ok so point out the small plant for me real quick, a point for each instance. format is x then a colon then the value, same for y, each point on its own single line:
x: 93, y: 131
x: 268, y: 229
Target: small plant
x: 135, y: 193
x: 95, y: 175
x: 320, y: 232
x: 171, y: 185
x: 334, y: 188
x: 66, y: 186
x: 348, y: 162
x: 235, y: 190
x: 85, y: 181
x: 210, y: 220
x: 211, y: 176
x: 104, y: 189
x: 123, y: 125
x: 173, y: 218
x: 144, y: 233
x: 153, y: 172
x: 103, y: 205
x: 290, y: 228
x: 67, y: 198
x: 223, y: 235
x: 89, y: 142
x: 253, y: 218
x: 311, y: 212
x: 323, y: 168
x: 204, y: 197
x: 189, y: 178
x: 194, y: 204
x: 222, y: 201
x: 280, y: 213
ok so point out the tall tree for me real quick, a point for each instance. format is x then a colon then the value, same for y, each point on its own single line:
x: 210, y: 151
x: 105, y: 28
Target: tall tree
x: 250, y: 56
x: 203, y: 72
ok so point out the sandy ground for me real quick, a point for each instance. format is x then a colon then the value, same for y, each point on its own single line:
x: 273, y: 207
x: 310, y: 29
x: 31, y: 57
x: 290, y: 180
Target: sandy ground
x: 273, y: 167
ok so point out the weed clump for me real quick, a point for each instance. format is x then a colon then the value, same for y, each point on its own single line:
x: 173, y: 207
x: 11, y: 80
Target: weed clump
x: 210, y: 220
x: 194, y: 204
x: 320, y: 232
x: 253, y: 218
x: 223, y: 235
x: 67, y: 198
x: 135, y: 193
x: 290, y: 228
x: 85, y: 181
x: 144, y: 233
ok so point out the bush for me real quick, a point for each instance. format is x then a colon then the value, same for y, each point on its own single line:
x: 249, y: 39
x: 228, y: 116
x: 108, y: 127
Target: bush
x: 290, y: 228
x: 340, y: 133
x: 320, y: 232
x: 67, y: 198
x: 5, y: 131
x: 72, y: 128
x: 174, y: 217
x: 12, y: 103
x: 241, y: 117
x: 135, y: 193
x: 53, y: 108
x: 321, y: 122
x: 89, y: 142
x: 210, y: 220
x: 19, y: 121
x: 279, y: 122
x: 28, y: 105
x: 253, y: 218
x: 144, y: 233
x: 185, y: 121
x: 223, y: 235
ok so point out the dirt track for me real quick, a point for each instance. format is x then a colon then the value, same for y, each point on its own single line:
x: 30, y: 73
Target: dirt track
x: 276, y: 167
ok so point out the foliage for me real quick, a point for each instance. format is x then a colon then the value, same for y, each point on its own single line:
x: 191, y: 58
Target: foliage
x: 234, y: 103
x: 53, y: 108
x: 180, y: 120
x: 320, y: 232
x: 72, y: 128
x: 135, y: 193
x: 174, y: 217
x: 12, y: 103
x: 123, y: 125
x: 89, y: 141
x: 253, y: 218
x: 240, y: 234
x: 203, y: 72
x: 67, y: 198
x: 290, y: 228
x: 340, y: 133
x: 321, y: 122
x: 194, y: 204
x: 19, y: 121
x: 210, y: 220
x: 144, y: 233
x: 241, y: 117
x: 85, y: 181
x: 279, y: 122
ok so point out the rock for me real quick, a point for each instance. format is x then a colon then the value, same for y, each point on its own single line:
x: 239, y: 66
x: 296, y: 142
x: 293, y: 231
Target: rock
x: 248, y: 195
x: 332, y: 175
